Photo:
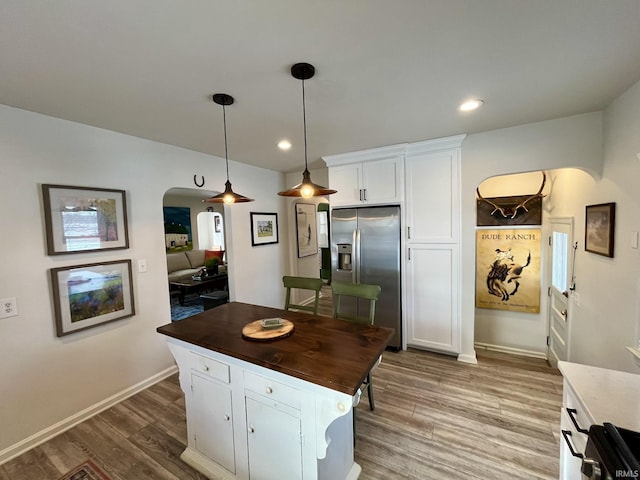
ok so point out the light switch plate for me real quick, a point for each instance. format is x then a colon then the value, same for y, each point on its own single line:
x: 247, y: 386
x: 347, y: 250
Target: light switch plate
x: 576, y: 298
x: 142, y: 265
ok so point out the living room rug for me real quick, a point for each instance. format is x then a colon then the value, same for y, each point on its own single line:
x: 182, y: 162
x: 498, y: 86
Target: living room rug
x: 192, y: 306
x: 85, y: 471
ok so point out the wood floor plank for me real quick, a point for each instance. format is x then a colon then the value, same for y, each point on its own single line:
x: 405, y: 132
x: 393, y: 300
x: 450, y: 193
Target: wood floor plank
x: 165, y: 450
x: 435, y: 418
x: 31, y: 465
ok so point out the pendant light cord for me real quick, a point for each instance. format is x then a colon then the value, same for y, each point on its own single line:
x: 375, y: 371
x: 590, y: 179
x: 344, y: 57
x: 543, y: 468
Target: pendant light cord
x: 304, y: 126
x: 224, y: 122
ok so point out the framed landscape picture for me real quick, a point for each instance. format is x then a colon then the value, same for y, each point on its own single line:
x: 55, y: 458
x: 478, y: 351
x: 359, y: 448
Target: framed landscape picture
x: 307, y: 229
x: 88, y: 295
x: 264, y: 228
x: 599, y: 228
x: 81, y: 219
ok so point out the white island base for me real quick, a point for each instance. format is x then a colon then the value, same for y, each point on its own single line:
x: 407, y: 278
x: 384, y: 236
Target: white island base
x: 249, y: 422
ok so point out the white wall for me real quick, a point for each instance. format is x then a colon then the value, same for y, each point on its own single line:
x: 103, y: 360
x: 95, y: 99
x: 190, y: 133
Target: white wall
x: 516, y: 331
x: 45, y: 379
x: 305, y: 266
x: 183, y: 198
x: 608, y: 315
x: 565, y: 142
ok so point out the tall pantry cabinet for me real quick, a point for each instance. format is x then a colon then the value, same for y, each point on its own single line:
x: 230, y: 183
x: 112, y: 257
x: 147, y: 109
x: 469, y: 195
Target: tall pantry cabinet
x: 432, y: 232
x: 424, y: 179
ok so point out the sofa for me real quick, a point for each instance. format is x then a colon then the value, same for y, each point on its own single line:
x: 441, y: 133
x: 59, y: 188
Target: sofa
x: 181, y: 264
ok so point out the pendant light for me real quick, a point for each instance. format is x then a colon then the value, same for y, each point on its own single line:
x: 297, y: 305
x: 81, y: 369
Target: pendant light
x: 228, y: 196
x: 306, y: 189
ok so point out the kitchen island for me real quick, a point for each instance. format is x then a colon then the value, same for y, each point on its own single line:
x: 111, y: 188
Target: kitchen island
x: 276, y: 409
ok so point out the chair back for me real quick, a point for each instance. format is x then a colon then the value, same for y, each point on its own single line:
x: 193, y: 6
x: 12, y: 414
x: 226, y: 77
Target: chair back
x: 358, y: 290
x: 302, y: 283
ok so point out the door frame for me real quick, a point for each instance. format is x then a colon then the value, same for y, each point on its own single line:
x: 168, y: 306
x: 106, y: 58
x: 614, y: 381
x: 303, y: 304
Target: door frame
x: 569, y: 222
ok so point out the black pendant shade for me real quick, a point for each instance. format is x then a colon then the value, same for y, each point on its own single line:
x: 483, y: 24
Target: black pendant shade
x: 306, y: 189
x: 228, y: 196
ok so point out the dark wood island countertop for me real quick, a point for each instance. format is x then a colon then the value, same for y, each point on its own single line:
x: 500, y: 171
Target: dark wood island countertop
x: 322, y: 350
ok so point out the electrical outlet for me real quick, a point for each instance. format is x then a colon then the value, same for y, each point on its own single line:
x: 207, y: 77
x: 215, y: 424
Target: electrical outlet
x: 9, y: 307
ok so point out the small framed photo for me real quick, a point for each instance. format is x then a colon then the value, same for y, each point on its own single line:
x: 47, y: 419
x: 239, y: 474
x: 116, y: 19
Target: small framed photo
x: 81, y: 219
x: 307, y: 229
x: 264, y: 228
x: 599, y: 228
x: 85, y: 296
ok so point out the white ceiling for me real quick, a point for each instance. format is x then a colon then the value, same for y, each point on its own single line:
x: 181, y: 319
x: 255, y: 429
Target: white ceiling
x: 388, y: 71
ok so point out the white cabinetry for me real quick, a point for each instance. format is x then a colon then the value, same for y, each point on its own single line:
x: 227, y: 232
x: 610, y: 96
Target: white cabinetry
x: 274, y: 433
x: 432, y: 297
x: 432, y: 237
x: 593, y: 396
x: 371, y: 177
x: 273, y: 412
x: 211, y: 403
x: 249, y: 422
x: 574, y: 424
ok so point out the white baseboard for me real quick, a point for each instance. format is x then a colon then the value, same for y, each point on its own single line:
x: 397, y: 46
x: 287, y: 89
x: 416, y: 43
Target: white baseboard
x: 468, y: 358
x: 513, y: 351
x: 69, y: 422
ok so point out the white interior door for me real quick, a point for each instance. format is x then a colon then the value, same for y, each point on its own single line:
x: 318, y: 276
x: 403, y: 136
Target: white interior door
x: 561, y: 239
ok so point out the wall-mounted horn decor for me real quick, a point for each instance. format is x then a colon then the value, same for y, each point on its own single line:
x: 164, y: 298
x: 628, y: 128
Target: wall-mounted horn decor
x: 514, y: 210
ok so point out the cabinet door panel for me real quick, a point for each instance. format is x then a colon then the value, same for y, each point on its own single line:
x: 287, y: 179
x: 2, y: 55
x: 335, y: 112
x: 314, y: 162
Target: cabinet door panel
x: 274, y: 441
x: 213, y: 421
x: 432, y: 196
x: 432, y: 299
x: 382, y: 181
x: 346, y: 179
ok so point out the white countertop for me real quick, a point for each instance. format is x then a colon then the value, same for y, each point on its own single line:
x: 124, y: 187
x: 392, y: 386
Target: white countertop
x: 608, y: 395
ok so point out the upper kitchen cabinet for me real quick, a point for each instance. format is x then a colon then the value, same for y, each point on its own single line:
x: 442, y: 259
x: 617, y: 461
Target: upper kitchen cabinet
x: 432, y: 173
x: 368, y: 177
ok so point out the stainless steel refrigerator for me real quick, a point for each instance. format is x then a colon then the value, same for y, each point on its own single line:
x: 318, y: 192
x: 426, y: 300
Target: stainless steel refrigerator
x: 365, y: 248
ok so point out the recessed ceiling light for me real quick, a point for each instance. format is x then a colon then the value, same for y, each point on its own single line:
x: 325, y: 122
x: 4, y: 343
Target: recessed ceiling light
x: 284, y: 144
x: 470, y: 105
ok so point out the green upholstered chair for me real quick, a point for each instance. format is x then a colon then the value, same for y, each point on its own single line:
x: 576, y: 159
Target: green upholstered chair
x: 363, y: 291
x: 302, y: 283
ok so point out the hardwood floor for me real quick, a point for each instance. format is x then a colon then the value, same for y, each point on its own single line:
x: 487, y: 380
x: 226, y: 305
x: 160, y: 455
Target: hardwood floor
x: 435, y: 418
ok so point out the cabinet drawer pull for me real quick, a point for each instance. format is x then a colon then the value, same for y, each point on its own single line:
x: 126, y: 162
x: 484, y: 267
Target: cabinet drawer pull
x: 566, y: 434
x: 205, y: 368
x: 227, y: 418
x: 268, y: 390
x: 251, y: 430
x: 572, y: 412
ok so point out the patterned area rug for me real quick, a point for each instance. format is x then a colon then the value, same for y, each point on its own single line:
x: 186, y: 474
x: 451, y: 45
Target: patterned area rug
x: 85, y: 471
x: 192, y: 306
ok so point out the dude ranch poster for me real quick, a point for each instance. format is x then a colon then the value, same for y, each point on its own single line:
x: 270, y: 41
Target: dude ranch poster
x: 508, y: 269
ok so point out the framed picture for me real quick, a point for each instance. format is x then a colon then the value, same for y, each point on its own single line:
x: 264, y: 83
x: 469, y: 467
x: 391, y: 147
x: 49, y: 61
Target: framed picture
x: 307, y: 229
x: 599, y: 227
x: 178, y: 234
x: 80, y: 219
x: 508, y: 272
x: 88, y: 295
x: 264, y: 228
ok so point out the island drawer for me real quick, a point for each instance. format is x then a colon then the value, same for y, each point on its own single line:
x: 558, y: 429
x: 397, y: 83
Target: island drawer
x: 210, y: 367
x: 272, y: 389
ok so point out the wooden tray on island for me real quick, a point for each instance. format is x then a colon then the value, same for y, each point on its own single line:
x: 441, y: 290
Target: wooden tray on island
x: 256, y: 332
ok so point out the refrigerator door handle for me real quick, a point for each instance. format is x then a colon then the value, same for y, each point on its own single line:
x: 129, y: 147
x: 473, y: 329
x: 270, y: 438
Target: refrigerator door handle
x: 356, y: 278
x: 354, y: 256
